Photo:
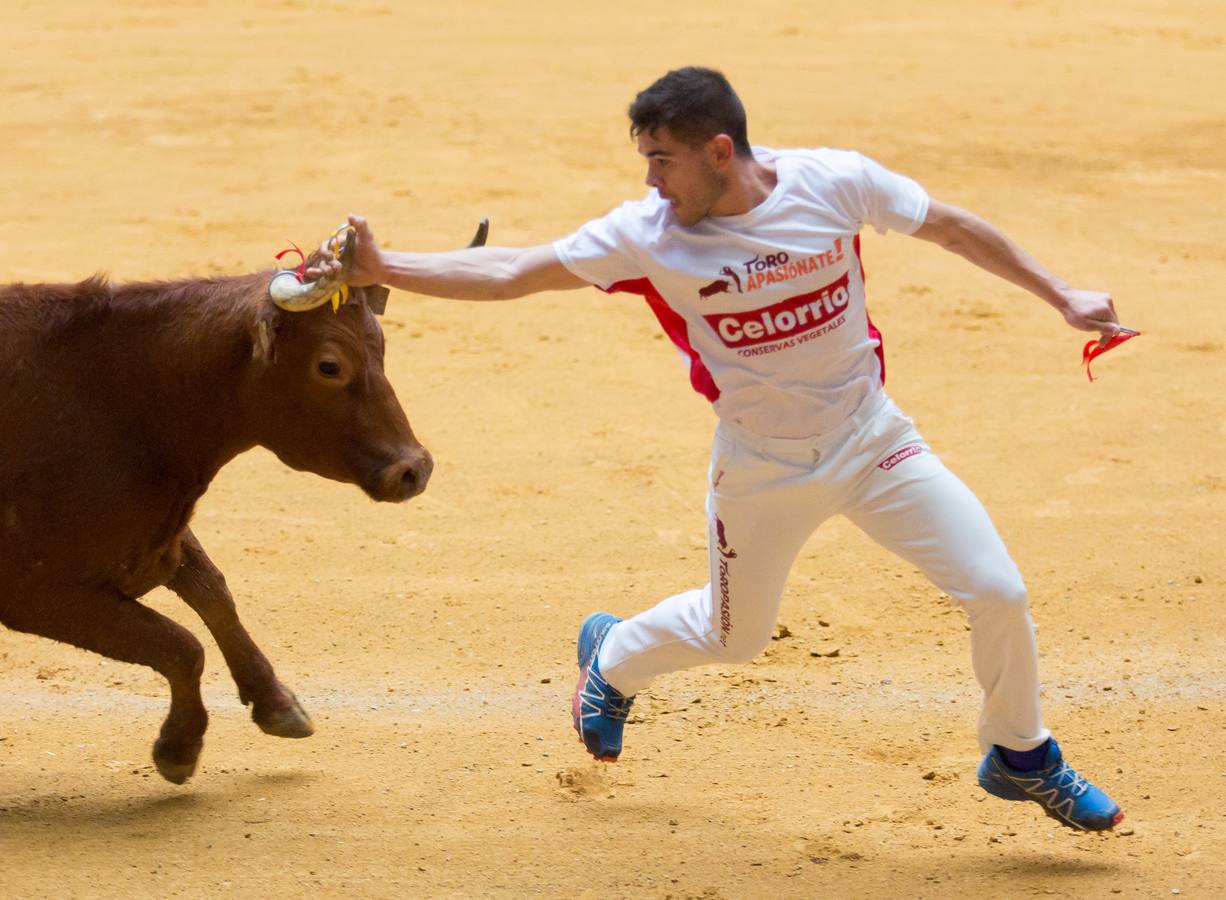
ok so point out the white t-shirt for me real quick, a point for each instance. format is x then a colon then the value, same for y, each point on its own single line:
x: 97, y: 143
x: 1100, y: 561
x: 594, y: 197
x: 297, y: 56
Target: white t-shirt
x: 768, y: 307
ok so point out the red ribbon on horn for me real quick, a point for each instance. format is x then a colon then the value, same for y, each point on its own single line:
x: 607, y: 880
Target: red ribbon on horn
x: 300, y: 271
x: 1094, y: 349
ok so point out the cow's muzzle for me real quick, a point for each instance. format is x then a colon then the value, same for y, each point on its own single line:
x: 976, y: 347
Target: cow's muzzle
x: 401, y: 480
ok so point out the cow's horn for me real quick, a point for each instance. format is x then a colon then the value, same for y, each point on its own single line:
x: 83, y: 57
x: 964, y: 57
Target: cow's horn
x: 290, y: 294
x: 345, y: 254
x: 483, y: 231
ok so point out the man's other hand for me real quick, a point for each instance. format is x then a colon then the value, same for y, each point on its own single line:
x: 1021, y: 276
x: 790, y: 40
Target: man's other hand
x: 1091, y: 311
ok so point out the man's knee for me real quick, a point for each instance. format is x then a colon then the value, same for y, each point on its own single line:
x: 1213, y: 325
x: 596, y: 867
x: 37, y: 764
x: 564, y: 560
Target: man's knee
x: 1001, y: 588
x: 743, y: 644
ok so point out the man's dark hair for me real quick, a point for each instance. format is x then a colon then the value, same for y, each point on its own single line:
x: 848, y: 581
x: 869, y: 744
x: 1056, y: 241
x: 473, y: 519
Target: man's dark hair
x: 694, y: 104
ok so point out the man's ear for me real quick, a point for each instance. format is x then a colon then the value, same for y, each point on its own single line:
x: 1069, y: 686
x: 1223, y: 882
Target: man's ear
x: 264, y: 334
x: 722, y: 148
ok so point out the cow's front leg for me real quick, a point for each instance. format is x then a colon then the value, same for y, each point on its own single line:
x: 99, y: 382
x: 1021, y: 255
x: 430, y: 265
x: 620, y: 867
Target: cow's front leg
x: 105, y: 621
x: 273, y: 706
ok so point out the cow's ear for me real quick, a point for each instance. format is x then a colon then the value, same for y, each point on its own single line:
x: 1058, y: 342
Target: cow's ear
x: 264, y: 335
x: 376, y: 298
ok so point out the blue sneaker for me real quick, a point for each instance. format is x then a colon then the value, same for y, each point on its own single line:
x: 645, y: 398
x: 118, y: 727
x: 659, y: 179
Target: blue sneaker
x: 1064, y: 795
x: 599, y: 710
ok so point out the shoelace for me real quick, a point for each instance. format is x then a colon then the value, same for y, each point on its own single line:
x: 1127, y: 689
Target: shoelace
x: 620, y: 709
x: 611, y: 703
x: 1075, y: 782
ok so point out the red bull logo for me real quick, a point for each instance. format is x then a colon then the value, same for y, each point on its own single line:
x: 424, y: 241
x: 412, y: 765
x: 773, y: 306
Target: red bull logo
x: 722, y: 285
x: 724, y: 549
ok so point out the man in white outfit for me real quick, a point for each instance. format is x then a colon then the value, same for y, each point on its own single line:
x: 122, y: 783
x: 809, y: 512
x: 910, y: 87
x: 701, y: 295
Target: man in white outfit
x: 750, y: 259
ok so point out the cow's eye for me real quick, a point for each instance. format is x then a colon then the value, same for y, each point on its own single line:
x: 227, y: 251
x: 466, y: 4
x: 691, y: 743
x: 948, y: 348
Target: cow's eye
x: 329, y: 368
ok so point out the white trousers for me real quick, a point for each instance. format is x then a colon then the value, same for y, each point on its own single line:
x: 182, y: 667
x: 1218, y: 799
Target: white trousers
x: 768, y: 495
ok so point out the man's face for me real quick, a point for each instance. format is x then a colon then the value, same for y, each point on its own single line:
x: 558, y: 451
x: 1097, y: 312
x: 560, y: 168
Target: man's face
x: 685, y: 176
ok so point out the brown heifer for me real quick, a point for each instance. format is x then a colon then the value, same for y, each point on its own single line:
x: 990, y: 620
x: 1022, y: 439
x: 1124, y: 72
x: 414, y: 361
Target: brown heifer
x: 118, y: 406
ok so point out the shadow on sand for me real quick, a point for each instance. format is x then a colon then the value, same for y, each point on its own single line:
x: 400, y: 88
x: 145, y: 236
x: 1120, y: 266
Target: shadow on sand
x: 39, y: 816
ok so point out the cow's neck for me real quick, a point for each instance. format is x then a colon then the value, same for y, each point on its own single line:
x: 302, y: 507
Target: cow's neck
x: 180, y: 351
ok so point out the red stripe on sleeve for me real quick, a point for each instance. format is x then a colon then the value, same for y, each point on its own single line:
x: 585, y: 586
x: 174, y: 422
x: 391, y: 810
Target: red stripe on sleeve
x: 873, y: 333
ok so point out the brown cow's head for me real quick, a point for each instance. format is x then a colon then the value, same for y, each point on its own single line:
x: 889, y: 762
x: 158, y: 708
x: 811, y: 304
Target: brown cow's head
x: 323, y: 404
x: 321, y: 401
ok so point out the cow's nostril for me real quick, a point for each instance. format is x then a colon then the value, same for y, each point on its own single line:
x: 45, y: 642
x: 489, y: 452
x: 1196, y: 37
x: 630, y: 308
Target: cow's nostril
x: 406, y: 478
x: 413, y: 479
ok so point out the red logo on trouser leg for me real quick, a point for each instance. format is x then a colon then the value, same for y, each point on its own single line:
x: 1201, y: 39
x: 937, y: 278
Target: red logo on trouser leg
x: 725, y: 601
x: 899, y: 455
x: 724, y: 550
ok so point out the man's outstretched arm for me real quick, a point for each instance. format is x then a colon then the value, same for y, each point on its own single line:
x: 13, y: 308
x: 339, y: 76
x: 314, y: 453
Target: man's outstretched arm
x: 475, y: 273
x: 986, y: 246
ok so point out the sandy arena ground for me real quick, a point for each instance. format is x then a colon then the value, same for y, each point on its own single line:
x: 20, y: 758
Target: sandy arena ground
x: 433, y: 642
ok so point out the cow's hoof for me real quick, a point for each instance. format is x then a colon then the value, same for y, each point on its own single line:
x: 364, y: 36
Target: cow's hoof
x: 284, y: 721
x: 172, y: 766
